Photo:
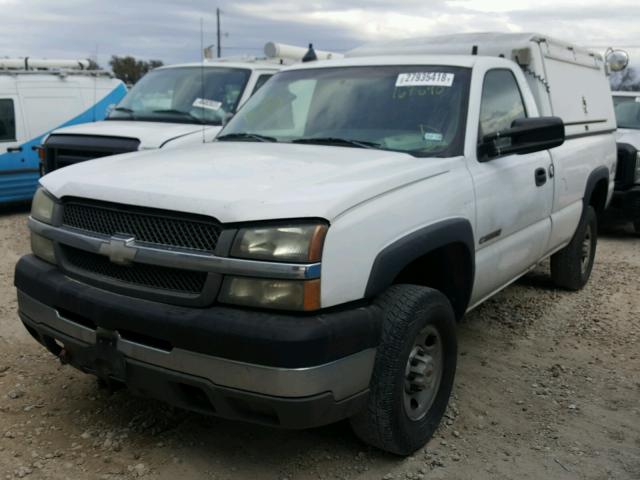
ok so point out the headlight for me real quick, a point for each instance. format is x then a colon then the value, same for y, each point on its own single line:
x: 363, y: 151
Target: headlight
x: 42, y: 206
x: 268, y: 293
x: 637, y: 176
x: 288, y: 243
x: 43, y: 248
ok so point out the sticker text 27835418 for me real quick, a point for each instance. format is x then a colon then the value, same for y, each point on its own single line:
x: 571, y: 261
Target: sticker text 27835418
x: 425, y: 79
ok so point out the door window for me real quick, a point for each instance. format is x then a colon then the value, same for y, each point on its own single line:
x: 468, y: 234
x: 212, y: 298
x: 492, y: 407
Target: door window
x: 501, y: 102
x: 7, y: 120
x: 262, y: 79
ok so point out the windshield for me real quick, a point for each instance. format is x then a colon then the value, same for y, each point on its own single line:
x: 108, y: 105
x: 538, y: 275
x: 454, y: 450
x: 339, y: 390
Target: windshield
x: 184, y: 95
x: 627, y: 112
x: 420, y: 110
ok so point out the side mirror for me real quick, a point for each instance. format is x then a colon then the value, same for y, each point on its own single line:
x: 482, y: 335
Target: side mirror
x: 617, y: 60
x: 526, y: 135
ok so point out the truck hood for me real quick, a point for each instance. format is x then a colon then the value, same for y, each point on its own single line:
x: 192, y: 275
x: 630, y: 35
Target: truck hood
x: 237, y: 182
x: 630, y: 136
x: 152, y: 135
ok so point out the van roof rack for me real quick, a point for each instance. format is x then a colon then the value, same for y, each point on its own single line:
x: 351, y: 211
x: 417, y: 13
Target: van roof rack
x: 62, y: 67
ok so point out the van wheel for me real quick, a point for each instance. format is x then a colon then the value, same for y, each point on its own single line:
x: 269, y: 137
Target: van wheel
x: 414, y: 370
x: 571, y: 267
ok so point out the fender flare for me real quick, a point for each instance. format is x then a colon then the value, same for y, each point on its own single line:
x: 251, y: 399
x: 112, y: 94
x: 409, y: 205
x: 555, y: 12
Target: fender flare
x: 625, y: 166
x: 598, y: 174
x: 395, y: 257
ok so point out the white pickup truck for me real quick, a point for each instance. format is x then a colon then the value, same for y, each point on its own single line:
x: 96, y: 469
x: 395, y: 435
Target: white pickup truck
x: 625, y: 203
x: 311, y: 264
x: 170, y: 107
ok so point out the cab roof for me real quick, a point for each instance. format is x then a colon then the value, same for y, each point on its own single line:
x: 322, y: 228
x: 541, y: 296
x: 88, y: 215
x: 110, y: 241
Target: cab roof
x: 249, y: 64
x: 465, y: 61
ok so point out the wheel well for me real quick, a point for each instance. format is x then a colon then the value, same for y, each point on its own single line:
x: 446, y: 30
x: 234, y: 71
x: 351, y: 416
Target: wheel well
x: 448, y: 269
x: 598, y: 198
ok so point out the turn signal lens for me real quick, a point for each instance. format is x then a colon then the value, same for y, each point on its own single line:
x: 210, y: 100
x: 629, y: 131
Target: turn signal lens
x: 43, y: 248
x: 270, y: 293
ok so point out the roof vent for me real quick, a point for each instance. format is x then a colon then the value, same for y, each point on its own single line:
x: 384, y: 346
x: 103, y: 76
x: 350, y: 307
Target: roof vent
x: 310, y: 56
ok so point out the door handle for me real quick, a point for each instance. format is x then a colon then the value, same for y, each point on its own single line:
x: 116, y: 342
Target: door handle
x: 14, y: 149
x: 541, y: 176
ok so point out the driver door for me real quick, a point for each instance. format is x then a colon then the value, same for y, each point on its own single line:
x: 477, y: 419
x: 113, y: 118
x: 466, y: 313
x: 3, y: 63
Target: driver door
x: 514, y: 193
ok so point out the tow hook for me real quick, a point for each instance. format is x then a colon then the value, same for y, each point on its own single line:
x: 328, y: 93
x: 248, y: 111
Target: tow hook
x: 63, y: 356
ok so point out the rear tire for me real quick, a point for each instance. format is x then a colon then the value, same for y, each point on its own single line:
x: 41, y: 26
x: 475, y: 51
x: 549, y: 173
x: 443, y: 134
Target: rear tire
x: 571, y: 267
x: 414, y: 370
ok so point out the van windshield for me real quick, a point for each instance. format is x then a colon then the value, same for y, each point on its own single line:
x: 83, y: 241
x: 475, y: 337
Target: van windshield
x: 184, y: 95
x: 420, y: 110
x: 628, y: 113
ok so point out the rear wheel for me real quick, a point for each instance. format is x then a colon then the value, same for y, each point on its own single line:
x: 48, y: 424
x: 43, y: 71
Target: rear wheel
x: 414, y: 370
x: 571, y: 267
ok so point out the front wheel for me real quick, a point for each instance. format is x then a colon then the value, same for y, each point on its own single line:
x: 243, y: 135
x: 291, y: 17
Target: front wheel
x: 414, y: 370
x: 571, y: 267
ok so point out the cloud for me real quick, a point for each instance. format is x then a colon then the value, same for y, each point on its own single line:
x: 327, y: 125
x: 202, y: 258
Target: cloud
x: 170, y: 30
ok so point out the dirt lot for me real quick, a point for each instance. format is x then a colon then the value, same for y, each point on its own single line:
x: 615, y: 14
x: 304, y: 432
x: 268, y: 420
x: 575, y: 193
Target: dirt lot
x: 548, y: 387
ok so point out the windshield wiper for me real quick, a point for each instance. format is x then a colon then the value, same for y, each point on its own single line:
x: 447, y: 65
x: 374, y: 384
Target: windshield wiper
x: 338, y: 141
x: 173, y: 111
x: 247, y: 136
x: 123, y: 109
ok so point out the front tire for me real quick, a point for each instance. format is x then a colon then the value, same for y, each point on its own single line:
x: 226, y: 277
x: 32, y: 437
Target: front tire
x: 571, y: 267
x: 414, y: 370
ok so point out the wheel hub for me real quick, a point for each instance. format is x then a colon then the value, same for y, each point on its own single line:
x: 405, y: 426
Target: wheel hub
x: 423, y: 373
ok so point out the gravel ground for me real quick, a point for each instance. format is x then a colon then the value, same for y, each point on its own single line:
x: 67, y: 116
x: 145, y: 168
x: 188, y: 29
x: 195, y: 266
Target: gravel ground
x: 548, y: 386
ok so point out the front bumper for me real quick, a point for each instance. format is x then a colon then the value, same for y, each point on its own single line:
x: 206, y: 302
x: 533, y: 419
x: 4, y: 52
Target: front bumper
x: 626, y: 203
x: 285, y: 370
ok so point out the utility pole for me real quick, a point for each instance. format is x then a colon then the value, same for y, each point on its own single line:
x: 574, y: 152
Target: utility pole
x: 218, y: 32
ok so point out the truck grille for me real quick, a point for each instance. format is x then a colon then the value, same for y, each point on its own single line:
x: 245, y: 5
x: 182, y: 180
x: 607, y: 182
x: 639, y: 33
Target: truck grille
x: 64, y: 150
x: 138, y: 274
x: 155, y: 227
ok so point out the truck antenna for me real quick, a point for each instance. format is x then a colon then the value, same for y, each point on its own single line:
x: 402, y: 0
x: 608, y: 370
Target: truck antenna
x: 202, y: 74
x: 95, y: 87
x: 218, y: 32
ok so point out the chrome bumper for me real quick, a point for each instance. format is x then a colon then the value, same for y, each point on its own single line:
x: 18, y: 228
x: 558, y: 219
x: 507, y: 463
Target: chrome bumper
x: 344, y: 377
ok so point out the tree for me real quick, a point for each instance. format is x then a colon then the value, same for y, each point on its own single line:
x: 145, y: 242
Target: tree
x: 628, y: 79
x: 130, y: 70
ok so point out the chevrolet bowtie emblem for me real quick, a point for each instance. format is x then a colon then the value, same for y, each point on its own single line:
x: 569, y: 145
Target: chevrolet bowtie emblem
x: 120, y: 249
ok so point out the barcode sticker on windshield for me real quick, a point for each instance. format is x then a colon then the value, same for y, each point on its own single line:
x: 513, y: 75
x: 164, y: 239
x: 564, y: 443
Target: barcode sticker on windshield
x: 425, y: 79
x: 206, y: 103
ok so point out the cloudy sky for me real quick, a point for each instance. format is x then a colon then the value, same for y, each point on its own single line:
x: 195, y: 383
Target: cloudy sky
x: 170, y: 30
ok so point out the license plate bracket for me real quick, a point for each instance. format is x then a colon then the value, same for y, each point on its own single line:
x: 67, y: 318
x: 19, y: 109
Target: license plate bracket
x: 109, y: 362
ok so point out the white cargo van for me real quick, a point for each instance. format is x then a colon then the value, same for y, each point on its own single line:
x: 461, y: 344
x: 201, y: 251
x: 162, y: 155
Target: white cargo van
x: 310, y: 264
x: 37, y: 96
x: 171, y: 106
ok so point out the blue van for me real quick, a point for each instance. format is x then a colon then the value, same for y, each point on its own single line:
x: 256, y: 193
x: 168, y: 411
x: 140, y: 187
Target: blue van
x: 37, y: 96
